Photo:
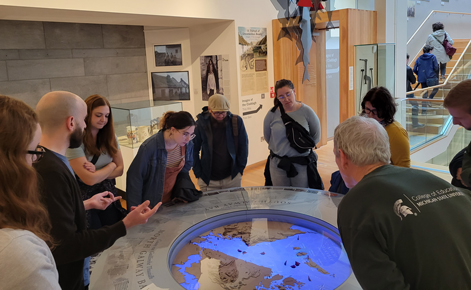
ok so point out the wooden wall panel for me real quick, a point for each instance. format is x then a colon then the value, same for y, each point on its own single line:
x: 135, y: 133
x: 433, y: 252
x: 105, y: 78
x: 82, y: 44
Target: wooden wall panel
x: 356, y: 27
x: 313, y: 92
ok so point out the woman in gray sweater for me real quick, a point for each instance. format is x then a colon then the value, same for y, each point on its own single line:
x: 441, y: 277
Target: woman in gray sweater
x: 274, y: 132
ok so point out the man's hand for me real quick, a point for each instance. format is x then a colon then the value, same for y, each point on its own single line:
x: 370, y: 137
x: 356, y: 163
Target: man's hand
x: 100, y: 201
x: 140, y: 214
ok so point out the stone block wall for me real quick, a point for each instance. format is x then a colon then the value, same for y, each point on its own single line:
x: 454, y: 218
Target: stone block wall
x: 86, y: 59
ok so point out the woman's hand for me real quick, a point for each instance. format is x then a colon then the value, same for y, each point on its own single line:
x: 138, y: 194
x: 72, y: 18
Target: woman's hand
x: 89, y: 166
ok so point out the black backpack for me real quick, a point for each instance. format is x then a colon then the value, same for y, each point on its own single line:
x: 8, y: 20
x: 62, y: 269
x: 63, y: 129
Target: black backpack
x: 298, y: 137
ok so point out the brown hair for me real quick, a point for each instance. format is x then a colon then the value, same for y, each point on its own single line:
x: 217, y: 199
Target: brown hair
x: 20, y: 205
x: 178, y: 120
x: 105, y: 139
x: 459, y: 96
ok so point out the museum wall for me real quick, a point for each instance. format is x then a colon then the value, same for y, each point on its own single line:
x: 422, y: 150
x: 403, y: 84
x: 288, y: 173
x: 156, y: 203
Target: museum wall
x: 423, y: 9
x: 247, y: 10
x: 86, y: 59
x: 216, y: 35
x: 158, y: 36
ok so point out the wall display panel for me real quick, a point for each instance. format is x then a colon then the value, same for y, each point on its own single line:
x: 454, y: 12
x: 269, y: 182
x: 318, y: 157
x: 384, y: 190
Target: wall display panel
x: 169, y: 86
x: 240, y: 238
x: 168, y: 55
x: 253, y: 60
x: 214, y: 76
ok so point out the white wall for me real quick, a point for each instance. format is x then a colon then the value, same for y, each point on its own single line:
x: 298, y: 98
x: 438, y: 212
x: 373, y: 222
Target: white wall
x: 423, y: 9
x: 332, y: 81
x: 181, y: 36
x: 248, y: 10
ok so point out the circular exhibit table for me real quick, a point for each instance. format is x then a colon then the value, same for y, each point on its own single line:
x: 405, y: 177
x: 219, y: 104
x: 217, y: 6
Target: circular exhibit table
x: 242, y: 238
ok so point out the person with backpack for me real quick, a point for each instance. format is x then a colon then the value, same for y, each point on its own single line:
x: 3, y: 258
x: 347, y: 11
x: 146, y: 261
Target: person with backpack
x: 221, y: 146
x: 435, y: 40
x: 426, y: 69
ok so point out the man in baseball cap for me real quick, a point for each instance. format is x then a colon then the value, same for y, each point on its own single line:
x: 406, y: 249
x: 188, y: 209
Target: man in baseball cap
x: 223, y: 142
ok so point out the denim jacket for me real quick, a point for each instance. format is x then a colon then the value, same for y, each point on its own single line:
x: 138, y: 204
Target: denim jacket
x: 204, y: 142
x: 146, y: 174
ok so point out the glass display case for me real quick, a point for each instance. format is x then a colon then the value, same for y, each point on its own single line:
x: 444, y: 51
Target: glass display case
x: 135, y: 122
x: 374, y: 66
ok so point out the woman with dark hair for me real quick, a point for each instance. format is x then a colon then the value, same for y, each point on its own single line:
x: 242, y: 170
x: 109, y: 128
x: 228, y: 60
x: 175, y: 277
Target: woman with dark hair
x: 379, y: 105
x: 212, y: 80
x: 26, y: 260
x: 281, y: 151
x: 160, y: 158
x: 98, y: 161
x: 435, y: 40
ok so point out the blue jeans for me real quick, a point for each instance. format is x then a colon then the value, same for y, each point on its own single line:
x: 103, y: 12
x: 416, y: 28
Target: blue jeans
x: 443, y: 69
x: 425, y: 96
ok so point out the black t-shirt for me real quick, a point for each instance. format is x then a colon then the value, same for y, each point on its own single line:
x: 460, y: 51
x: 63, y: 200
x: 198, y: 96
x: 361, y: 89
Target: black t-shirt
x: 221, y: 162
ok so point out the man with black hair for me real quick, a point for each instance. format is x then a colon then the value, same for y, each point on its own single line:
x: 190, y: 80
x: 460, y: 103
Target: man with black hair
x: 426, y: 69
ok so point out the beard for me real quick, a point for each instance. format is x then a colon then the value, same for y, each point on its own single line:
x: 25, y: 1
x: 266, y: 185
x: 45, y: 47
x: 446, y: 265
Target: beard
x: 76, y: 138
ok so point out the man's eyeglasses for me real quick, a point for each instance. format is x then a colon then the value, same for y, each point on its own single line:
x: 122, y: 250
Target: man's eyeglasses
x: 188, y: 135
x: 368, y: 111
x: 219, y: 113
x: 37, y: 154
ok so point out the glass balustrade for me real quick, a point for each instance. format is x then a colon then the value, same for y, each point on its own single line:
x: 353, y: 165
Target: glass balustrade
x: 425, y: 118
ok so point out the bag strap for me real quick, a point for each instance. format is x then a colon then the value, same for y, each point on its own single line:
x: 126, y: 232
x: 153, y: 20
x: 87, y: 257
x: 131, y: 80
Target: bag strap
x: 286, y: 119
x: 439, y: 40
x: 95, y: 159
x: 235, y: 132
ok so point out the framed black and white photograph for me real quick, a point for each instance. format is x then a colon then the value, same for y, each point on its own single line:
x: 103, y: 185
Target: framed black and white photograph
x: 214, y: 75
x: 168, y: 86
x: 168, y: 55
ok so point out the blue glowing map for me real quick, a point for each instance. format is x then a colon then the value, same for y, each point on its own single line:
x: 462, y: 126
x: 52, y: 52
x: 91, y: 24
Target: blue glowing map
x: 261, y: 254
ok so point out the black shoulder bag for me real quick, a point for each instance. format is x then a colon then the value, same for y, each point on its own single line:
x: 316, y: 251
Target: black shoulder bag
x: 298, y: 137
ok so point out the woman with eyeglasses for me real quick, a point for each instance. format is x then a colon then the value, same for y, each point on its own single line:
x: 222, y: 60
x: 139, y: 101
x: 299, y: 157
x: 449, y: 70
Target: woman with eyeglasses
x: 153, y: 172
x: 98, y: 161
x: 287, y: 166
x: 379, y: 105
x: 26, y: 260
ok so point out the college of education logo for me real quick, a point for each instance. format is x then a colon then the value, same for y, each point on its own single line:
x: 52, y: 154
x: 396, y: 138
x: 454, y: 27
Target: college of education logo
x: 402, y: 210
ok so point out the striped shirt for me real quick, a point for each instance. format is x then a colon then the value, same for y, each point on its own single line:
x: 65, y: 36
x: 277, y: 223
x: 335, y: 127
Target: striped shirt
x: 175, y: 156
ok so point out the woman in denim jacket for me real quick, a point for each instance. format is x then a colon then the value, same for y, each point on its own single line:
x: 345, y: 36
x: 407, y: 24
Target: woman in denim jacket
x: 160, y: 158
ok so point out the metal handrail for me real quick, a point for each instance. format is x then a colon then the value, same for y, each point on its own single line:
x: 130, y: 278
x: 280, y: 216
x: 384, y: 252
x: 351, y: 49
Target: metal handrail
x: 425, y: 20
x: 451, y: 73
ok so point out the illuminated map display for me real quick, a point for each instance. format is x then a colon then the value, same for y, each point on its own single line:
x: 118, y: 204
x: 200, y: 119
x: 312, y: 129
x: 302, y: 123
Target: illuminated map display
x: 261, y: 254
x: 273, y: 238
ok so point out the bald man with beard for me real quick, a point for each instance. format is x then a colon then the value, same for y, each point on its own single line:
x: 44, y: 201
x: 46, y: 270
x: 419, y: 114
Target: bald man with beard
x: 62, y: 120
